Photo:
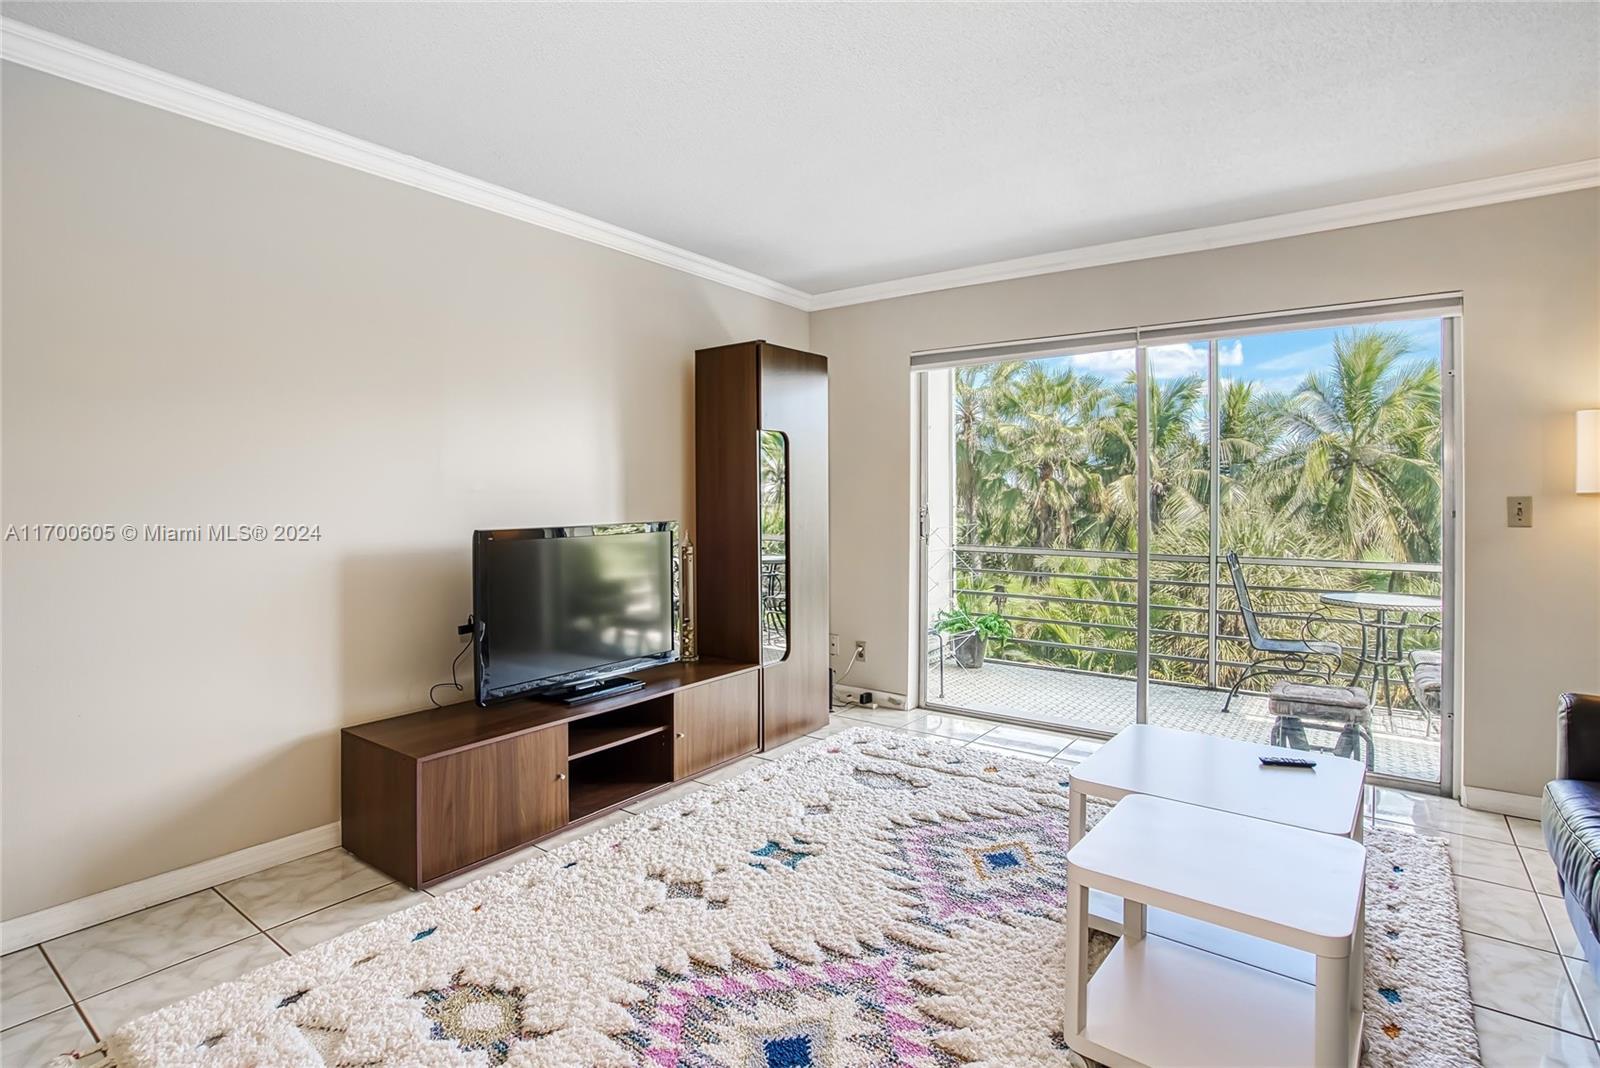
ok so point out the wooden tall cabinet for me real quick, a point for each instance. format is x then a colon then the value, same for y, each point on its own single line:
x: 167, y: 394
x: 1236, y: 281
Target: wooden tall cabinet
x: 761, y: 524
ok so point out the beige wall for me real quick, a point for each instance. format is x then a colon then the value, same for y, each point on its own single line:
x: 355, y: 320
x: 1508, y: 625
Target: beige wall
x: 200, y: 328
x: 1530, y: 272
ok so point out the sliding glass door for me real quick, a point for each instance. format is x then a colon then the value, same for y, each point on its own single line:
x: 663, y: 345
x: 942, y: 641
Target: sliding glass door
x: 1082, y: 504
x: 1032, y: 538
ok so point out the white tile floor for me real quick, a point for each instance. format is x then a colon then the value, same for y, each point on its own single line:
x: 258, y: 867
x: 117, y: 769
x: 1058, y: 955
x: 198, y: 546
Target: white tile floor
x: 1534, y: 1001
x: 1106, y: 703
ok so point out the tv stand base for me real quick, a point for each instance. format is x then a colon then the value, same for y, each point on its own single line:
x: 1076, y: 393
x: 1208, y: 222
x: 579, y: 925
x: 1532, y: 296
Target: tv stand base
x: 429, y: 795
x: 585, y: 692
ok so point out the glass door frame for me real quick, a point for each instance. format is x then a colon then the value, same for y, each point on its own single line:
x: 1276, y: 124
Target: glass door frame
x: 1450, y: 325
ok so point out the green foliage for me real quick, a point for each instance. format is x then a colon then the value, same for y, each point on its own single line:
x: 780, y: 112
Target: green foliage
x: 1344, y: 467
x: 992, y: 625
x: 773, y: 475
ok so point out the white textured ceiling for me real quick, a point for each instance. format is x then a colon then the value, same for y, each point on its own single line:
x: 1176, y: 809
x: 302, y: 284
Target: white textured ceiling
x: 827, y: 146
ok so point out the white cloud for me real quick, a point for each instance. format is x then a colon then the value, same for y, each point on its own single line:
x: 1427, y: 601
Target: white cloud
x: 1113, y: 363
x: 1176, y: 361
x: 1166, y: 361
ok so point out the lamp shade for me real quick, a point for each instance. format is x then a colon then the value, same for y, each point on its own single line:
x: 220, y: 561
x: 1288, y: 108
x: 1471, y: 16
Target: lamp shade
x: 1589, y: 451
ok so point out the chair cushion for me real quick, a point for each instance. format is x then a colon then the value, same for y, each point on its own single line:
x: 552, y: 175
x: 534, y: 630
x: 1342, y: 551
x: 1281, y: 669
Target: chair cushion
x: 1427, y: 674
x: 1572, y: 834
x: 1344, y: 704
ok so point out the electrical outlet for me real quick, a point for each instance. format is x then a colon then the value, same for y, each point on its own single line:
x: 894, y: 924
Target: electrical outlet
x: 861, y: 651
x: 833, y: 645
x: 1519, y: 511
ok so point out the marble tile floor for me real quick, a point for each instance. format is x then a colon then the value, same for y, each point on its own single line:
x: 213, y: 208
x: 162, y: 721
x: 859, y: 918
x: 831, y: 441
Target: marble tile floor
x: 1534, y: 1001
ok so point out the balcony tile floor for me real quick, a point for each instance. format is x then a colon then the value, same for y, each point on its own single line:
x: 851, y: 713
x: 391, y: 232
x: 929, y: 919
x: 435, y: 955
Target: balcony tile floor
x: 1534, y: 1002
x: 1106, y: 703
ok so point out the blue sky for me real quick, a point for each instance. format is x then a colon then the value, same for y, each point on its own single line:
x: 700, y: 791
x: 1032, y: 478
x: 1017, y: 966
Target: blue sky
x: 1278, y: 362
x: 1281, y: 361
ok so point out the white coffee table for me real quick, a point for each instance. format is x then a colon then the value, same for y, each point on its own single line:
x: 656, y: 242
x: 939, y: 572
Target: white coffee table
x: 1159, y: 1002
x: 1226, y: 775
x: 1220, y: 773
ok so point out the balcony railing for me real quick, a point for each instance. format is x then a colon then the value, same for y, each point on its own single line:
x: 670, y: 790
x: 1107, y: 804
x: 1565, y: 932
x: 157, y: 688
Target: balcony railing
x: 1077, y: 608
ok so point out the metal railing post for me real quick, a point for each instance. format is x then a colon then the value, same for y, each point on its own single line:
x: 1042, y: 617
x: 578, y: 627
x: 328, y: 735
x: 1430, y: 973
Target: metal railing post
x: 1141, y: 672
x: 1215, y: 407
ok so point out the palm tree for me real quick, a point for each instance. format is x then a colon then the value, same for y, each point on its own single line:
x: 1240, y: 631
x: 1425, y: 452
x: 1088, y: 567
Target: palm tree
x: 1359, y: 454
x: 1248, y: 425
x: 981, y: 464
x: 1044, y: 414
x: 1179, y: 471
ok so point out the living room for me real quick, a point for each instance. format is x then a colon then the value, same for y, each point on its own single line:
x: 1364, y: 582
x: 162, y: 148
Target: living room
x: 487, y: 581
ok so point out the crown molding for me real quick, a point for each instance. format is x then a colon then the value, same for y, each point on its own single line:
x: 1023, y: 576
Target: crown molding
x: 77, y: 62
x: 1564, y: 178
x: 74, y: 61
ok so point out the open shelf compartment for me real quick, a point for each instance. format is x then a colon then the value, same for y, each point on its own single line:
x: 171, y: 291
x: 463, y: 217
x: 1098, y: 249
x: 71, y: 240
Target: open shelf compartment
x: 614, y: 758
x: 584, y: 741
x: 595, y: 734
x: 1212, y: 1010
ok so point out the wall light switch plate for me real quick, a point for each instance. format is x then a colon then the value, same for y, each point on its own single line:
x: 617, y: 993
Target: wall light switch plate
x: 1519, y: 511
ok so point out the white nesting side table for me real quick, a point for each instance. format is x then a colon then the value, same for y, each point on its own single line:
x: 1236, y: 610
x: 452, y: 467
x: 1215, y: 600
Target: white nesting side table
x: 1220, y: 773
x: 1159, y: 1002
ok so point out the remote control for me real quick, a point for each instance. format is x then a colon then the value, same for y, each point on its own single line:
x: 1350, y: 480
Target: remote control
x: 1287, y: 762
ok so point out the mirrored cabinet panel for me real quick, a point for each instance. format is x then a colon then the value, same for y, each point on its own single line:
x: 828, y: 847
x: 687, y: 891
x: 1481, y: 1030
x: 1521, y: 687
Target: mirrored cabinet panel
x: 773, y: 468
x: 761, y: 525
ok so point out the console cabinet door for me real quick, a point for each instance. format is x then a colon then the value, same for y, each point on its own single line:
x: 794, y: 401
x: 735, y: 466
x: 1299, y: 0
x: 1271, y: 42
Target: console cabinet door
x: 478, y: 802
x: 714, y: 722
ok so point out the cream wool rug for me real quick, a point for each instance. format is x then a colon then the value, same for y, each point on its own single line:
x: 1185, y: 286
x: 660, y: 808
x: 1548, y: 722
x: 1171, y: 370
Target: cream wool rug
x: 873, y: 900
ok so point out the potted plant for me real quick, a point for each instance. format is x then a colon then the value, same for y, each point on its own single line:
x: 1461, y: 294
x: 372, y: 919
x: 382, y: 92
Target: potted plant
x: 995, y: 628
x: 966, y: 644
x: 969, y: 634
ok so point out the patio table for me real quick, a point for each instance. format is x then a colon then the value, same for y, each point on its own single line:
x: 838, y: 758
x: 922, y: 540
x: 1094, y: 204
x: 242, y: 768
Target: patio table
x: 1383, y: 640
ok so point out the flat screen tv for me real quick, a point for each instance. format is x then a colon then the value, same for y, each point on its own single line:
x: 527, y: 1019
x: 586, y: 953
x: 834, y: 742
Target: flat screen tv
x: 560, y: 612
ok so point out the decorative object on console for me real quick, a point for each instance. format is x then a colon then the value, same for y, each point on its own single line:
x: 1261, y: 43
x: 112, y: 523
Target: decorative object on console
x: 688, y: 643
x: 905, y: 895
x: 761, y: 508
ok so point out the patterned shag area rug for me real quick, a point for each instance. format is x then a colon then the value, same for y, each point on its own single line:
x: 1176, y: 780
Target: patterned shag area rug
x: 873, y: 900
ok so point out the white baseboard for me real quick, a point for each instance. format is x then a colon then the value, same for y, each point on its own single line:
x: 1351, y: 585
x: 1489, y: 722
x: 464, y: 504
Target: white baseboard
x: 1507, y: 804
x: 69, y: 916
x: 851, y: 695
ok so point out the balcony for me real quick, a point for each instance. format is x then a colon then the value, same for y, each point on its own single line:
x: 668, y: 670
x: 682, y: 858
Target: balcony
x: 1072, y: 653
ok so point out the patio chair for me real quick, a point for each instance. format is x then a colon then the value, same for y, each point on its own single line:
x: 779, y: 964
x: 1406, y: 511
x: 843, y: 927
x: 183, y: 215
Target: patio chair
x: 1346, y: 709
x: 1427, y: 675
x: 1278, y: 656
